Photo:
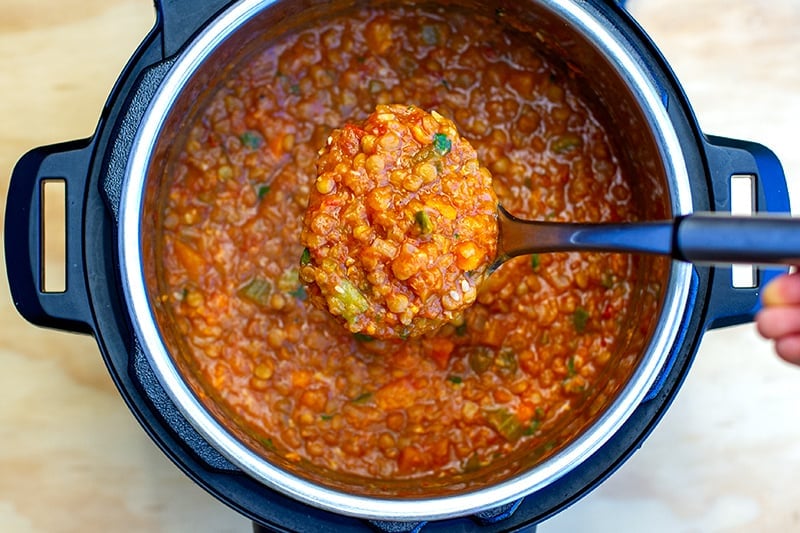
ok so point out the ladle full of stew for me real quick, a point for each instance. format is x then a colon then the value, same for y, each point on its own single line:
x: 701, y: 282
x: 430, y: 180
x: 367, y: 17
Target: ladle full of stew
x: 403, y: 226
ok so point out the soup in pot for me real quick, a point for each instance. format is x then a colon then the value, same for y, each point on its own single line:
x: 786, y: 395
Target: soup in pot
x: 548, y: 338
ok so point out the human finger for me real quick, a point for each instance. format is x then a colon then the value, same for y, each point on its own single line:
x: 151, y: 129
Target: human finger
x: 778, y: 321
x: 788, y: 348
x: 783, y: 290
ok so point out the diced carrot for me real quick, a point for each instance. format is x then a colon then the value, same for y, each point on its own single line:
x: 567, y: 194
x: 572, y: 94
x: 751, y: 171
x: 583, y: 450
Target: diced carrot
x: 192, y: 261
x: 411, y: 459
x: 440, y: 349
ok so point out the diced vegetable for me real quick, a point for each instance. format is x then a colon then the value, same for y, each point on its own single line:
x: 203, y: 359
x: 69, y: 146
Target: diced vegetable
x: 535, y: 261
x: 347, y: 301
x: 580, y: 318
x: 257, y: 290
x: 305, y: 257
x: 456, y: 380
x: 251, y: 139
x: 441, y: 144
x: 566, y: 143
x: 480, y: 358
x: 506, y: 362
x: 424, y: 222
x: 571, y: 366
x: 431, y: 35
x: 289, y: 280
x: 364, y: 397
x: 262, y: 191
x: 439, y: 349
x: 505, y: 423
x: 300, y: 292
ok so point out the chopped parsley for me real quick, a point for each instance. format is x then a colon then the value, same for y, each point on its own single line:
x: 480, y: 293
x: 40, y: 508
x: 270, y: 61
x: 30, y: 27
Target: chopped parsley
x: 262, y: 191
x: 251, y: 139
x: 362, y: 398
x: 580, y: 318
x: 441, y: 144
x: 305, y: 257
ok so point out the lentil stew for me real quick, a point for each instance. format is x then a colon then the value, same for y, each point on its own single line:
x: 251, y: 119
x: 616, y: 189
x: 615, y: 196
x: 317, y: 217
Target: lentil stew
x: 401, y: 225
x: 549, y: 339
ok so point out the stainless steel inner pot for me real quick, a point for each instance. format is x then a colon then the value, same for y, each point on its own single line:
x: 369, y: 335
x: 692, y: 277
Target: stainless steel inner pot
x: 629, y: 100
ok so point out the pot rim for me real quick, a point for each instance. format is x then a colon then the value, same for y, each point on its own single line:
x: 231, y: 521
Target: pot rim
x: 621, y: 55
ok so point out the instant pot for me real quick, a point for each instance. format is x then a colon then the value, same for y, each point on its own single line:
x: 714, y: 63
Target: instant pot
x: 106, y: 294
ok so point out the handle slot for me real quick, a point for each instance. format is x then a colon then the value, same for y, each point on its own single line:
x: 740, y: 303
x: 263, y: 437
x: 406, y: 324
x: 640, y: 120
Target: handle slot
x: 53, y: 253
x: 743, y: 203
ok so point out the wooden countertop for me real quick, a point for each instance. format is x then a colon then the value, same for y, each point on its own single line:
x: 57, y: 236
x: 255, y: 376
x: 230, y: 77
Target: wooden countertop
x: 72, y: 457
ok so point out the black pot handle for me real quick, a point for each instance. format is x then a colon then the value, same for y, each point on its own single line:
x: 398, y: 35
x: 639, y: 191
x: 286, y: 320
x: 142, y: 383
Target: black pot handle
x: 180, y: 20
x: 67, y: 162
x: 729, y: 158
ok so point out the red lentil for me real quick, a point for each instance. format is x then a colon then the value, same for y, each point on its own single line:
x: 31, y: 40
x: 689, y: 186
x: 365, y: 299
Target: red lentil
x: 401, y: 224
x: 534, y: 354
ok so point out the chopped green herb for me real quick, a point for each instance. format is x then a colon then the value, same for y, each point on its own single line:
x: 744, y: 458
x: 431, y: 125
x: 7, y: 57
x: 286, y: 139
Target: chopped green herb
x: 326, y: 417
x: 533, y: 427
x: 251, y: 139
x: 571, y: 366
x: 505, y: 423
x: 441, y: 144
x: 424, y: 222
x: 455, y: 379
x: 257, y: 290
x: 290, y: 283
x: 544, y: 340
x: 461, y: 329
x: 348, y: 301
x: 262, y: 191
x: 607, y: 281
x: 267, y: 443
x: 300, y: 293
x: 362, y: 398
x: 363, y: 337
x: 580, y: 318
x: 305, y: 257
x: 535, y: 261
x: 566, y: 143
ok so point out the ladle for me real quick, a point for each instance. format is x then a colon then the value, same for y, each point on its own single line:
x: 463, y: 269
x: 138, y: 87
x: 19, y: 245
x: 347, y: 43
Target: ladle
x: 705, y: 238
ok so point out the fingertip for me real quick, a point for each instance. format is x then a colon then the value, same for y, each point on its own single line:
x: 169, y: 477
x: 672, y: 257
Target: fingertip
x: 788, y: 349
x: 783, y: 290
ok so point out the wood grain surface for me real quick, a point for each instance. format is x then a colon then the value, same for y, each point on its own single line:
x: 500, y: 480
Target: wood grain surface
x: 72, y: 457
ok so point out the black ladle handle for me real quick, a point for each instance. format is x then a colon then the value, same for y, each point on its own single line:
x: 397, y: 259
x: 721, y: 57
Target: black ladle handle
x: 713, y: 238
x: 721, y: 239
